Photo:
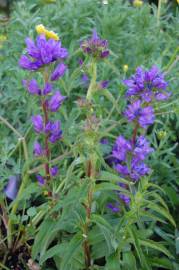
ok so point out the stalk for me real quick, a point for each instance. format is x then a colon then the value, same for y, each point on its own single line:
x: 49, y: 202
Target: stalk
x: 90, y: 173
x: 159, y: 12
x: 46, y: 118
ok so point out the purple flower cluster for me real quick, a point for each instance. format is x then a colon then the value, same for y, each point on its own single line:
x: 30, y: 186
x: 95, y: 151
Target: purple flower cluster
x: 129, y: 155
x: 42, y: 56
x: 95, y: 46
x: 129, y: 158
x: 147, y: 85
x: 143, y: 88
x: 43, y: 52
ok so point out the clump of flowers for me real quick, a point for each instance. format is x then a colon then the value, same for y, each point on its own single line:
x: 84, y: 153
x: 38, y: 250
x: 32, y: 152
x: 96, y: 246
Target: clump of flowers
x: 95, y: 46
x: 129, y: 156
x: 46, y: 55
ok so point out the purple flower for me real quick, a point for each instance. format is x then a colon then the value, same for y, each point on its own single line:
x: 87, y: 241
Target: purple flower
x: 114, y: 207
x: 12, y: 187
x: 145, y: 116
x: 147, y: 84
x: 95, y: 46
x: 32, y: 86
x: 103, y: 84
x: 42, y: 53
x: 142, y: 148
x: 129, y: 159
x: 120, y: 149
x: 55, y: 102
x: 123, y: 197
x: 54, y: 171
x: 40, y: 179
x: 55, y: 131
x: 47, y: 89
x: 37, y: 121
x: 38, y: 151
x: 58, y: 72
x: 104, y: 141
x: 85, y: 78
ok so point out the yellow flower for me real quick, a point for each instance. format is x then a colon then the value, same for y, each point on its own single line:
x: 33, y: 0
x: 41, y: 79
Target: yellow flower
x: 40, y: 28
x: 125, y: 68
x: 49, y: 34
x: 137, y: 3
x: 178, y: 1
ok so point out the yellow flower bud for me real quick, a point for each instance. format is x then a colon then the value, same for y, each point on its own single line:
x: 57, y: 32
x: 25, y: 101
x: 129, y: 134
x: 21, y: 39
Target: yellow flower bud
x: 125, y: 68
x: 137, y: 3
x: 51, y: 34
x: 40, y: 28
x: 161, y: 134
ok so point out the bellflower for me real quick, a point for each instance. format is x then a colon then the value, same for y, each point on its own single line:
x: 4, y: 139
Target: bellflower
x: 95, y: 46
x: 56, y: 101
x: 54, y: 171
x: 46, y: 52
x: 38, y: 151
x: 144, y: 115
x: 58, y: 72
x: 43, y: 52
x: 12, y: 187
x: 40, y: 179
x: 147, y: 85
x: 129, y: 158
x: 37, y: 121
x: 55, y: 132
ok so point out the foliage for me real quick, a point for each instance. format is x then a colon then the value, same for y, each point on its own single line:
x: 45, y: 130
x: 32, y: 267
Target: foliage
x: 56, y: 230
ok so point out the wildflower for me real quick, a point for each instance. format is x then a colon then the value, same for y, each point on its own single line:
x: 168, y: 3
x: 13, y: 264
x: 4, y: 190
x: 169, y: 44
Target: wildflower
x: 38, y: 151
x: 137, y: 3
x: 55, y: 132
x: 54, y: 171
x: 49, y: 34
x: 125, y: 68
x: 42, y: 53
x: 145, y: 116
x: 147, y: 85
x: 12, y: 187
x: 120, y: 149
x: 103, y: 84
x: 104, y: 141
x: 32, y: 86
x: 95, y: 46
x: 129, y: 158
x: 55, y: 102
x: 58, y: 72
x: 114, y: 207
x: 40, y: 179
x: 37, y: 121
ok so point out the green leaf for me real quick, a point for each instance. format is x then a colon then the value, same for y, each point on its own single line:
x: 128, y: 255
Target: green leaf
x: 162, y: 211
x: 110, y: 177
x: 155, y: 245
x: 56, y: 250
x: 31, y: 211
x: 138, y: 248
x: 129, y: 261
x: 113, y: 262
x: 73, y: 247
x: 110, y: 186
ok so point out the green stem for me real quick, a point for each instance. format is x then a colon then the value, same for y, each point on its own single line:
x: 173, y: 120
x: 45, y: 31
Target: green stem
x: 159, y: 12
x: 92, y: 86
